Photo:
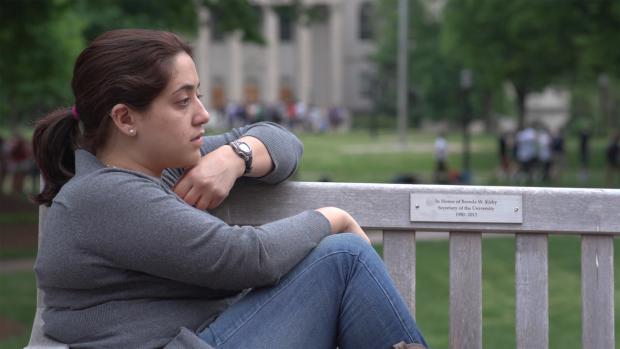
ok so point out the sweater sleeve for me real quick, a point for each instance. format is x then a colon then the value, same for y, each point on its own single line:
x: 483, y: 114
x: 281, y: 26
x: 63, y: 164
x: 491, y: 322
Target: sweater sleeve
x: 284, y: 148
x: 157, y: 233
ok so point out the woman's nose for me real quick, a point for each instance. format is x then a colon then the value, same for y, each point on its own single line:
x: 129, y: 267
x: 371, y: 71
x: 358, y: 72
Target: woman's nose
x: 202, y: 115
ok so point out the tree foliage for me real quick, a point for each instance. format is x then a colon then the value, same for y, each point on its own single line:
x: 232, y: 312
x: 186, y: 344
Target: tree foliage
x: 528, y: 44
x: 37, y: 40
x: 597, y: 36
x: 433, y: 77
x: 40, y: 40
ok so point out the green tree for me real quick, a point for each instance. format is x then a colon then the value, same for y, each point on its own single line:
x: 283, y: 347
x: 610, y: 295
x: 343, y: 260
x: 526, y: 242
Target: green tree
x: 596, y: 88
x: 597, y: 35
x: 528, y: 43
x: 174, y: 15
x: 433, y: 76
x: 40, y: 40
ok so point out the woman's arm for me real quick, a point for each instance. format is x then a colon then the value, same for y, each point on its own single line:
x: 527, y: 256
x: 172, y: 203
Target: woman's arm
x: 276, y: 154
x: 141, y: 227
x: 282, y: 147
x: 342, y: 222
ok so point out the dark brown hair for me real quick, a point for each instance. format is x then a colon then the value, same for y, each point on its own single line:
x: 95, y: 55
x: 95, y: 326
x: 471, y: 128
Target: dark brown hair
x: 130, y: 66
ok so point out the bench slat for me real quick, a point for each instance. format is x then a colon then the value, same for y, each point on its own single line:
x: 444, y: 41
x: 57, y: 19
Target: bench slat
x: 387, y: 206
x: 597, y: 292
x: 399, y: 257
x: 531, y: 274
x: 465, y: 290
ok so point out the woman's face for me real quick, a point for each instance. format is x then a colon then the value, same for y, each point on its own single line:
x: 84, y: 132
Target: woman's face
x: 169, y: 132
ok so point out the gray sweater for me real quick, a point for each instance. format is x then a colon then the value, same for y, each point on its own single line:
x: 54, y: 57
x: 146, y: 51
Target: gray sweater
x: 125, y: 263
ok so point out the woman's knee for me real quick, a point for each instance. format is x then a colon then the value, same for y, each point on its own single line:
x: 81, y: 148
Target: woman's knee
x: 344, y: 242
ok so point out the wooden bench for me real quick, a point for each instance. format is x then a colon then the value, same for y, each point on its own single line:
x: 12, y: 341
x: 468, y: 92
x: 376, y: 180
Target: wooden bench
x: 593, y: 214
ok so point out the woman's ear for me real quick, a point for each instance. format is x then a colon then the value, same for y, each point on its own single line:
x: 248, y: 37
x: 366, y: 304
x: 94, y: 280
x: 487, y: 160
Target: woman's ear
x: 123, y: 119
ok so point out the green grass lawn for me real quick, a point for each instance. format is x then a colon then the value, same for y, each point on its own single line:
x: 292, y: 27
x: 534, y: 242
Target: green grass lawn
x: 356, y: 157
x: 499, y: 292
x: 17, y: 304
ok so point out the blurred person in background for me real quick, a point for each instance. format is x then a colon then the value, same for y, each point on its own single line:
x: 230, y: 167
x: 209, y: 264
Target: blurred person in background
x: 612, y: 155
x: 504, y: 151
x: 19, y: 162
x: 527, y: 144
x: 441, y: 159
x: 544, y: 154
x: 584, y: 155
x: 558, y: 149
x: 3, y: 163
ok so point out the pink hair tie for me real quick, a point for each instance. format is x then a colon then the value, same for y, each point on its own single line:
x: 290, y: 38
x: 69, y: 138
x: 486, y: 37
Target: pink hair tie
x: 74, y: 113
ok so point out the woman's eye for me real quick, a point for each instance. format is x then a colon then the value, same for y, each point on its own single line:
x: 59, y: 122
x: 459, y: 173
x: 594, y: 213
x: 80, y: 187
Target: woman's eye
x: 184, y: 101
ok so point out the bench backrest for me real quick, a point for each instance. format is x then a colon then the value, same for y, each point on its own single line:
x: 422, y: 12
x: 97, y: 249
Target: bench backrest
x: 396, y: 210
x: 593, y: 214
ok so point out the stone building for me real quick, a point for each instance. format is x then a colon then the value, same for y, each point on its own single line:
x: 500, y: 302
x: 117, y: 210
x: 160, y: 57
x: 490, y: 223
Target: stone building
x: 325, y: 63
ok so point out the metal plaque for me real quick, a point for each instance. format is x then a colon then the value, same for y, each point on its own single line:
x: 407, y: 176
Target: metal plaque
x: 468, y: 208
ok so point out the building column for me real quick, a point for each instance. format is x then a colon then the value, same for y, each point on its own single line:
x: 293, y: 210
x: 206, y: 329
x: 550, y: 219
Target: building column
x: 202, y: 58
x: 235, y: 86
x: 273, y: 46
x: 335, y: 28
x: 304, y: 62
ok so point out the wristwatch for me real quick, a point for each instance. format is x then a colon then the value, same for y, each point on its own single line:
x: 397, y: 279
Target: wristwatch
x: 245, y: 152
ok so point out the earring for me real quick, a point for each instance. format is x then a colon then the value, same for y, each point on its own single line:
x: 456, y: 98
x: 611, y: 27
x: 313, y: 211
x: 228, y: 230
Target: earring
x: 132, y: 132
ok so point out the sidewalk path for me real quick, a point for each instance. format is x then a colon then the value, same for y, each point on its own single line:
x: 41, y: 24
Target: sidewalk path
x: 16, y: 265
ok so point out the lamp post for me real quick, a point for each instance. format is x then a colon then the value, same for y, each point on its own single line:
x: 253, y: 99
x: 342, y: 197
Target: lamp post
x: 403, y: 76
x: 603, y: 84
x: 466, y: 84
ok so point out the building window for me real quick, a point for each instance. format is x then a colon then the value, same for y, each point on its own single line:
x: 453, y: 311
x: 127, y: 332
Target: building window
x: 218, y: 94
x: 286, y: 24
x: 257, y: 13
x: 251, y: 93
x: 286, y: 91
x: 366, y: 29
x: 217, y: 34
x: 367, y: 84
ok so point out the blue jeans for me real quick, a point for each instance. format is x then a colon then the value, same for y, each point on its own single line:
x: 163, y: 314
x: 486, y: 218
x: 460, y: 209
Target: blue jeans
x: 339, y: 295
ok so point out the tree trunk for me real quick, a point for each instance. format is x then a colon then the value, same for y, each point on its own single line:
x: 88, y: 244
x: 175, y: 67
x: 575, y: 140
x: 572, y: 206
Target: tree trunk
x: 521, y: 94
x: 490, y: 123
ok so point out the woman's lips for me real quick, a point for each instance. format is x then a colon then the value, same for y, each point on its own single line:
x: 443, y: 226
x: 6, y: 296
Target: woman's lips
x: 198, y: 137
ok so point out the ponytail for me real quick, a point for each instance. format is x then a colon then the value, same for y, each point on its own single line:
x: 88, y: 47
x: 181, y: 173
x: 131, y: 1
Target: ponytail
x: 53, y: 142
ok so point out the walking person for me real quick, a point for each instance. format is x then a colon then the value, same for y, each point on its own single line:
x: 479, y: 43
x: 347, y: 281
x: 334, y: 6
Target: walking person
x: 3, y: 163
x: 612, y: 153
x: 526, y: 154
x: 441, y: 159
x: 584, y: 155
x: 558, y: 154
x: 19, y: 162
x: 544, y: 154
x: 129, y: 257
x: 503, y: 146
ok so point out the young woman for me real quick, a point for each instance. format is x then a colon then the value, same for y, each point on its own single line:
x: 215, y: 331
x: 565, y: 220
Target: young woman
x: 130, y: 258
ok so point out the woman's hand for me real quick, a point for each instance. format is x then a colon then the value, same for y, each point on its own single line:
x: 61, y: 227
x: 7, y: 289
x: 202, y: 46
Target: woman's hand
x: 207, y: 184
x: 342, y: 222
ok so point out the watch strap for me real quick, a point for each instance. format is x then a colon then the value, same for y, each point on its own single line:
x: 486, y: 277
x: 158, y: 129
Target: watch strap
x: 244, y: 151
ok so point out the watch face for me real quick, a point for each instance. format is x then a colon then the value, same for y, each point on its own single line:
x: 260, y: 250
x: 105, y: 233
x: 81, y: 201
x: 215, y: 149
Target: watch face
x: 244, y: 148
